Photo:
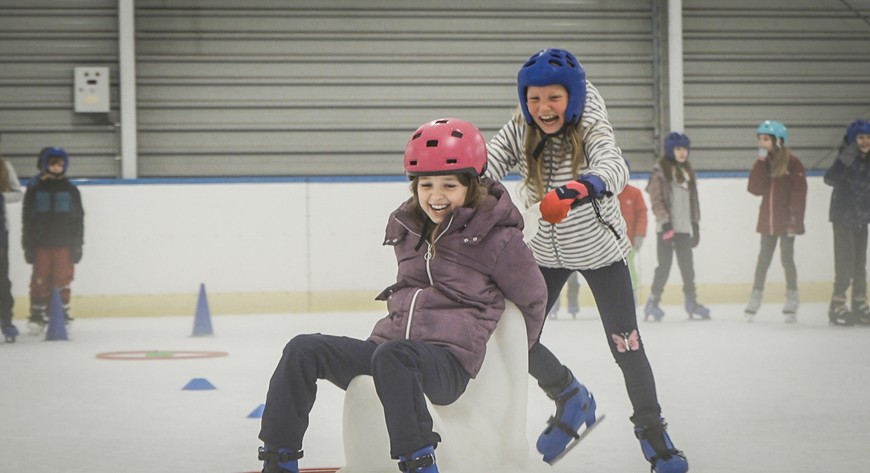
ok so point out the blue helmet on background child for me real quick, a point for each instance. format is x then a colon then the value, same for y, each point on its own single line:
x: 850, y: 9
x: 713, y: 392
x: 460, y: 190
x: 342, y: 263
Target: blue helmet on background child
x: 51, y: 152
x: 770, y: 127
x: 554, y: 66
x: 675, y: 140
x: 858, y: 127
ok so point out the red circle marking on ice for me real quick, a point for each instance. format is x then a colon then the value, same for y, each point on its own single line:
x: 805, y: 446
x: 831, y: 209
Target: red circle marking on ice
x: 159, y: 355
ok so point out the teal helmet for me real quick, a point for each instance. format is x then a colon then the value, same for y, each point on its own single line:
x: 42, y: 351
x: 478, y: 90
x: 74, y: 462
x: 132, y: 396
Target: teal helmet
x: 770, y: 127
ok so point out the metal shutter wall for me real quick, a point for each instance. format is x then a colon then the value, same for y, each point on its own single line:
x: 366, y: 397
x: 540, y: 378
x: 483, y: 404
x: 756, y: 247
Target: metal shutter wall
x: 805, y: 63
x: 270, y: 87
x: 41, y: 41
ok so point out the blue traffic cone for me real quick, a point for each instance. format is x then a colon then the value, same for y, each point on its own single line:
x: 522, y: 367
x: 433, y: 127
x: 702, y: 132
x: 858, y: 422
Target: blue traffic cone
x: 198, y: 384
x: 202, y: 320
x: 56, y: 320
x: 257, y: 413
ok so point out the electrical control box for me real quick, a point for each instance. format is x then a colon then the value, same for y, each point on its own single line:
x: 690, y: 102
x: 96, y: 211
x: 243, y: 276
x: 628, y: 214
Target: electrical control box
x: 91, y: 93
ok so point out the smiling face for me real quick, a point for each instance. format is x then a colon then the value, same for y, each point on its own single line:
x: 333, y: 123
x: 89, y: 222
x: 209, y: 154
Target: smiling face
x: 440, y: 195
x: 547, y: 106
x: 863, y: 141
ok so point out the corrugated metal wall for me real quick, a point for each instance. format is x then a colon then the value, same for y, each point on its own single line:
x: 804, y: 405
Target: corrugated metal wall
x: 41, y: 42
x: 336, y: 87
x: 270, y: 87
x: 805, y: 63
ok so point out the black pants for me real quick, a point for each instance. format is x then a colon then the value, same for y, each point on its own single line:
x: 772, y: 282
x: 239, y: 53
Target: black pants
x: 403, y: 371
x: 681, y: 245
x: 6, y: 300
x: 850, y: 260
x: 614, y: 296
x: 765, y: 256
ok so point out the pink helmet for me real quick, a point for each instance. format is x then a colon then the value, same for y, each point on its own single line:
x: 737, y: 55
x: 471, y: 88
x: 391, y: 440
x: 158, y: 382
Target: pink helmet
x: 445, y: 146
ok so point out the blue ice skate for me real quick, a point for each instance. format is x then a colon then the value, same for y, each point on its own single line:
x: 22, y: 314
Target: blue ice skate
x: 282, y: 461
x: 657, y: 446
x: 421, y: 461
x: 9, y: 333
x: 575, y: 407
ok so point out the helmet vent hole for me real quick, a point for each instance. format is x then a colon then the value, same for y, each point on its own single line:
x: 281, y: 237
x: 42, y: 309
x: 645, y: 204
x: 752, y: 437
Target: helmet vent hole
x: 452, y: 161
x: 432, y: 144
x: 456, y: 133
x: 416, y: 135
x: 441, y: 122
x: 413, y: 163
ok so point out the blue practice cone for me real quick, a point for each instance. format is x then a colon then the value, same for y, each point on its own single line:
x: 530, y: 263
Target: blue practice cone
x: 202, y: 321
x: 198, y: 384
x: 56, y: 321
x: 257, y: 413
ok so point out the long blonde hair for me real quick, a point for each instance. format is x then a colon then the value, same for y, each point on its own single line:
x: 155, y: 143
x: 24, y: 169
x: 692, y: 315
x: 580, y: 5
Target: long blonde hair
x: 532, y: 139
x: 777, y: 161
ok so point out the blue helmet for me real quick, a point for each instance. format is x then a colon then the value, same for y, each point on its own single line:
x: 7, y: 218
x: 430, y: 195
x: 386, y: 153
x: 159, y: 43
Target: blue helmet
x: 675, y: 140
x: 554, y: 66
x: 770, y: 127
x: 47, y: 153
x: 858, y: 127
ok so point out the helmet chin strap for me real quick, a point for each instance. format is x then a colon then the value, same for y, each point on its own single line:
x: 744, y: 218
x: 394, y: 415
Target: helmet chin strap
x: 536, y: 153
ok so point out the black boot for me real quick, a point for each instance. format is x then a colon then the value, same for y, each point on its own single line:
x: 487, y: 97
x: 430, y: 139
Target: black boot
x: 860, y: 310
x: 838, y: 313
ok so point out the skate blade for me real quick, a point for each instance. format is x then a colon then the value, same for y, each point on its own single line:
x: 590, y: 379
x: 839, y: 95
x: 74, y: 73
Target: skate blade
x: 579, y: 438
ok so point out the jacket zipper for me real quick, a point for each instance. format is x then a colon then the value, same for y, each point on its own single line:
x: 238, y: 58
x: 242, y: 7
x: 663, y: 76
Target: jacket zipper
x: 771, y: 206
x: 427, y: 257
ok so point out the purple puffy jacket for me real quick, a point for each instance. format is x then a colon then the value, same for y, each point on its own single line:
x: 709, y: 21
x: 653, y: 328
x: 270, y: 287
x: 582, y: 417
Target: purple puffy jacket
x: 456, y: 297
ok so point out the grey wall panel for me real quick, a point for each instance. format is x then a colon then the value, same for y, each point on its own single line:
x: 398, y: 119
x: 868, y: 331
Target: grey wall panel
x: 805, y: 63
x: 41, y: 41
x: 332, y: 87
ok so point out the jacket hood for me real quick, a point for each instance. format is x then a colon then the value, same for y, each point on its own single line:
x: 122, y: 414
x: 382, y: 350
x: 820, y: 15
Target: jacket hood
x: 496, y: 210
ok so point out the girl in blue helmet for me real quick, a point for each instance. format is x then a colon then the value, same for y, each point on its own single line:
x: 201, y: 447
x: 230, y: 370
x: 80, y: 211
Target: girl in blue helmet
x: 673, y: 193
x: 850, y: 214
x: 778, y: 176
x: 563, y: 145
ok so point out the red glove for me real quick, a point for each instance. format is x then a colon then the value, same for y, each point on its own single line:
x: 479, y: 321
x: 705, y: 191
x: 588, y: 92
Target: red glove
x: 557, y: 202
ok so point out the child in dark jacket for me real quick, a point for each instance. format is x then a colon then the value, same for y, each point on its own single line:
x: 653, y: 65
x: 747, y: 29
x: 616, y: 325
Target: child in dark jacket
x: 779, y: 178
x: 52, y: 235
x: 673, y: 194
x: 460, y: 253
x: 850, y: 214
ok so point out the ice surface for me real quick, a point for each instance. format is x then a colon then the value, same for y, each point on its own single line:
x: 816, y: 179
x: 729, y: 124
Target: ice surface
x: 768, y: 396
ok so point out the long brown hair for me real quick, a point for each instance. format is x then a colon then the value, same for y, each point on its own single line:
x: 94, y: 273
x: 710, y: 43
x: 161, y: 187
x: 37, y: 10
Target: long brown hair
x: 676, y: 171
x: 4, y: 176
x: 532, y: 139
x: 475, y: 195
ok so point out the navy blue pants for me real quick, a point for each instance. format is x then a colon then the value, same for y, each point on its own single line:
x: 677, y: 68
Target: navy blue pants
x: 403, y: 371
x: 614, y: 296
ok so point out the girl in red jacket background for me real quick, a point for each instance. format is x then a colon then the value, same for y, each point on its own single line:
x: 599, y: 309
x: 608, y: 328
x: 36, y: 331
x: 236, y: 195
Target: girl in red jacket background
x: 779, y: 178
x: 460, y: 252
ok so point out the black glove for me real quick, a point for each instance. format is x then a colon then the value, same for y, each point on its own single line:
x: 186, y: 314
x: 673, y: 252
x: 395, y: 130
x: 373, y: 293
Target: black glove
x: 29, y: 255
x: 696, y: 235
x: 75, y: 255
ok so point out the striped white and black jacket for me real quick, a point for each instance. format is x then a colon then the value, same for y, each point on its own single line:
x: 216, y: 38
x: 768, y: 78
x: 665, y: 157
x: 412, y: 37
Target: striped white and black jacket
x: 581, y: 241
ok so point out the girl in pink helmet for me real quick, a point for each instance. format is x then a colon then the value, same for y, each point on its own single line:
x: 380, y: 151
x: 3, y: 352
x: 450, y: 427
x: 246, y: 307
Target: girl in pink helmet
x: 460, y: 252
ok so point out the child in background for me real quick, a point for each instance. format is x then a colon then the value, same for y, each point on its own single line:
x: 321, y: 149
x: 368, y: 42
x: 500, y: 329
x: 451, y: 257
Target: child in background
x: 779, y: 178
x: 673, y: 194
x: 10, y: 192
x: 850, y: 214
x: 460, y: 252
x: 564, y: 148
x: 634, y: 211
x: 52, y: 235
